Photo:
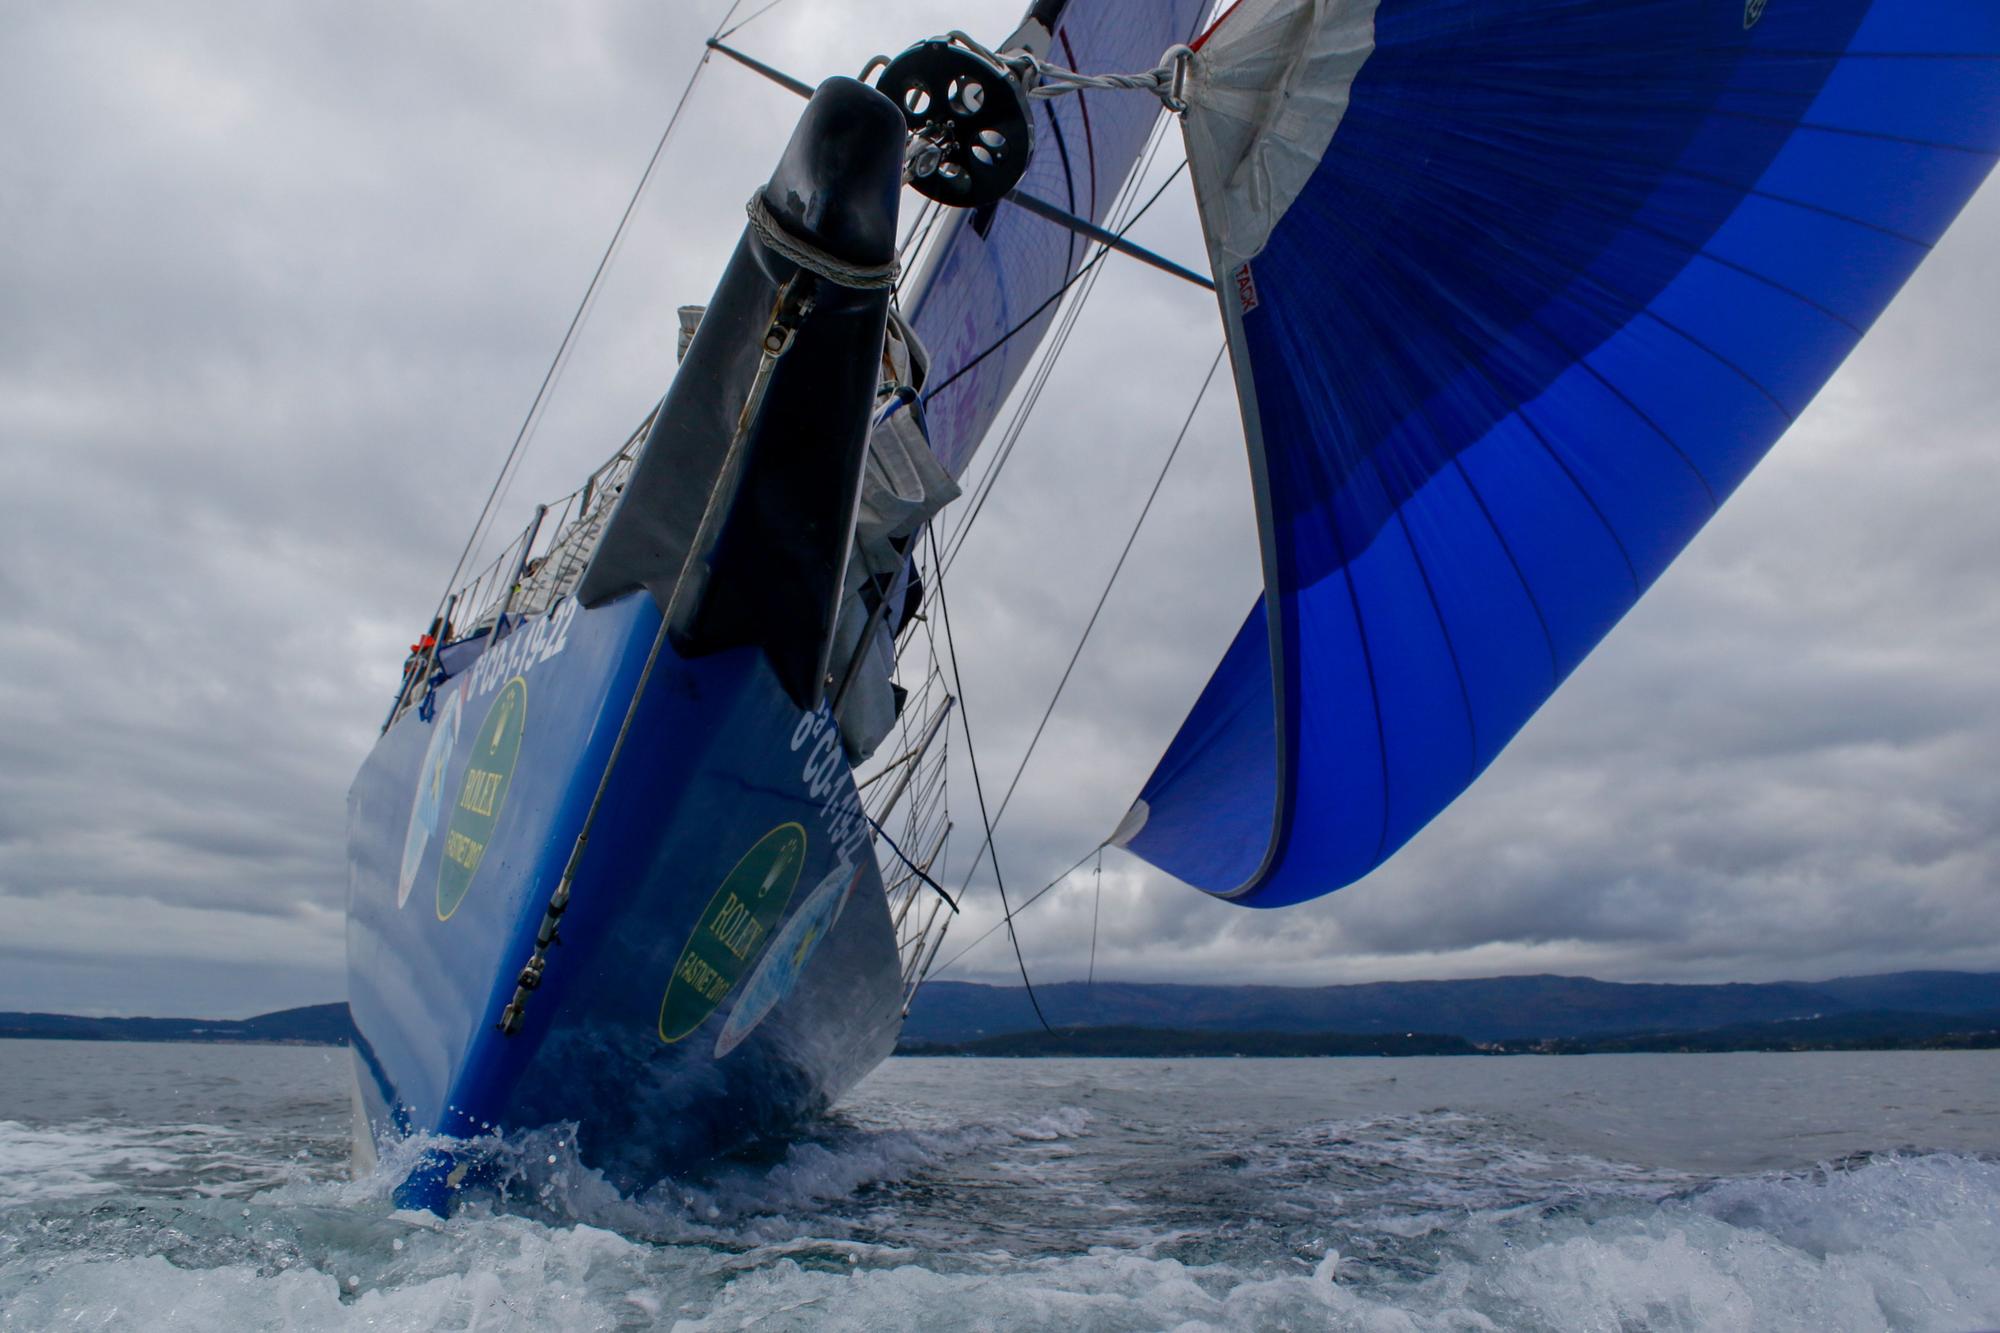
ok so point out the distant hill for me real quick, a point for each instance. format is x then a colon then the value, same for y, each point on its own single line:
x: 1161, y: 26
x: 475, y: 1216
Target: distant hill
x: 313, y: 1025
x: 1130, y: 1041
x: 1866, y: 1030
x: 1486, y: 1010
x: 1499, y: 1014
x: 1863, y: 1030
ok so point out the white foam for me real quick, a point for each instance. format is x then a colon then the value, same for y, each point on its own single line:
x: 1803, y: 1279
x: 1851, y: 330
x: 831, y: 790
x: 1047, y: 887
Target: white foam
x: 93, y: 1157
x: 1911, y: 1242
x: 1425, y: 1221
x: 63, y: 1163
x: 1065, y: 1122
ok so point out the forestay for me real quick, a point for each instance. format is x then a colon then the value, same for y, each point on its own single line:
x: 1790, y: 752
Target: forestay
x: 994, y: 266
x: 1517, y: 292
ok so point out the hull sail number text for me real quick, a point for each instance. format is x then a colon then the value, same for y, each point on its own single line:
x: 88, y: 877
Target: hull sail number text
x: 521, y: 650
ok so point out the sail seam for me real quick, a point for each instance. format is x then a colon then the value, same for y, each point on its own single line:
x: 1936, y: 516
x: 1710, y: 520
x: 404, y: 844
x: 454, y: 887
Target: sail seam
x: 1718, y: 357
x: 1704, y: 252
x: 1450, y: 648
x: 1069, y: 177
x: 1777, y: 286
x: 1555, y: 456
x: 1011, y: 436
x: 1757, y: 192
x: 1507, y: 549
x: 1581, y: 362
x: 1880, y: 136
x: 1374, y: 689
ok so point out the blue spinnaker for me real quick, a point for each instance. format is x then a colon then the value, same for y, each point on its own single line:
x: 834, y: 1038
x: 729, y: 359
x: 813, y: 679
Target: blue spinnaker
x: 990, y: 272
x: 1517, y: 292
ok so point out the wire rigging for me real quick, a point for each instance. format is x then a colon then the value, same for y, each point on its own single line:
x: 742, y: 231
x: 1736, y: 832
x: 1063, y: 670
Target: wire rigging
x: 990, y: 825
x: 1096, y: 907
x: 972, y: 757
x: 928, y: 817
x: 941, y: 562
x: 723, y: 35
x: 1031, y: 901
x: 1005, y: 451
x: 1053, y: 296
x: 921, y: 232
x: 1144, y: 511
x: 509, y: 466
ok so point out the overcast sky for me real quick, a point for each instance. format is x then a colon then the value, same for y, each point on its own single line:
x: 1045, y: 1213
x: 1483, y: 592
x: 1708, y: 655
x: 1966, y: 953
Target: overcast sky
x: 278, y: 283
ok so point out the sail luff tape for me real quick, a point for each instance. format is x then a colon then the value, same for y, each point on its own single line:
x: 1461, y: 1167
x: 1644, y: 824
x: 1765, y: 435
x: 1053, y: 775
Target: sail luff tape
x: 862, y: 277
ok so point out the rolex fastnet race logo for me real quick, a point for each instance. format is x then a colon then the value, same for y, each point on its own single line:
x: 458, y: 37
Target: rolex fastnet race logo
x: 489, y: 772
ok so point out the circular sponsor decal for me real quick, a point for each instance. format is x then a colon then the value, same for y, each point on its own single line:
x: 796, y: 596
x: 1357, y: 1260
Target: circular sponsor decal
x: 786, y: 959
x: 733, y: 927
x: 429, y: 797
x: 489, y: 771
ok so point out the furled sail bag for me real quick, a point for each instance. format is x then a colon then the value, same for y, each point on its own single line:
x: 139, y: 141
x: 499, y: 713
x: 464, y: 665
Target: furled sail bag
x: 1517, y: 292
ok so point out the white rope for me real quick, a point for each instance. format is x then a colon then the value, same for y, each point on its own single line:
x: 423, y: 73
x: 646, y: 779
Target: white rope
x: 1166, y: 81
x: 1057, y: 82
x: 865, y: 277
x: 1043, y: 80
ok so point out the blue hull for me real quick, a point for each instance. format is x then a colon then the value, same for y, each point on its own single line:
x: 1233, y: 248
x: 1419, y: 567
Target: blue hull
x: 726, y: 962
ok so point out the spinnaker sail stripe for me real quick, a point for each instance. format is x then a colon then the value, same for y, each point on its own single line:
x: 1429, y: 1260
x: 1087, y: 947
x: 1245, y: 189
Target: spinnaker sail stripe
x: 1561, y: 276
x: 992, y: 267
x: 1083, y: 113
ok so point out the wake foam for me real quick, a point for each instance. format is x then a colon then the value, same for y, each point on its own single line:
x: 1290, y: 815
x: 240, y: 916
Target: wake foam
x: 1903, y: 1242
x: 86, y: 1158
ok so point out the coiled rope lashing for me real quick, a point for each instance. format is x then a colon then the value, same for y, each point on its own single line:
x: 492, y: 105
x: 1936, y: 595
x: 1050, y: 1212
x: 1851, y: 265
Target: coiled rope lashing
x: 811, y: 258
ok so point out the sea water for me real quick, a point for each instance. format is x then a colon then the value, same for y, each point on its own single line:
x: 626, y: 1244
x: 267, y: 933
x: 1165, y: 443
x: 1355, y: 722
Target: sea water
x: 206, y: 1187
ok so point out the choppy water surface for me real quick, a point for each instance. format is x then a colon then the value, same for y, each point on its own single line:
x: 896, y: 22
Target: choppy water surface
x: 205, y: 1187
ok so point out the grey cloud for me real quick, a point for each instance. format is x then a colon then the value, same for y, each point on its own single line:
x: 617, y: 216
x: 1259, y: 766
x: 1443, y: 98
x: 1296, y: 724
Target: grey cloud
x: 280, y: 284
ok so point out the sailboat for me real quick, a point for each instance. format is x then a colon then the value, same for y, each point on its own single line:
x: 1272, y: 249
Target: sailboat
x: 1514, y: 294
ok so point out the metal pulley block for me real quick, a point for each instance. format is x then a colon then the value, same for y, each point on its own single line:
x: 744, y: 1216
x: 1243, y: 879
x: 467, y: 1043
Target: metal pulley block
x: 968, y: 116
